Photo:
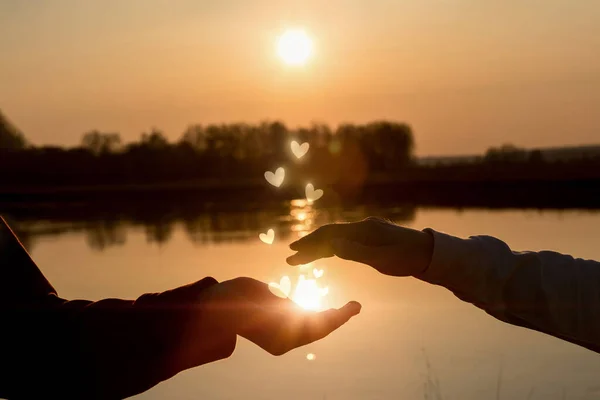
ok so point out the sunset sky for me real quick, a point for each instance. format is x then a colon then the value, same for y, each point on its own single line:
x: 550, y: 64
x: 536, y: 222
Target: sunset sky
x: 465, y: 74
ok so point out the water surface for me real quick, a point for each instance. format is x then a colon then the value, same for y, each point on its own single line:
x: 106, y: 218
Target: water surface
x: 408, y: 336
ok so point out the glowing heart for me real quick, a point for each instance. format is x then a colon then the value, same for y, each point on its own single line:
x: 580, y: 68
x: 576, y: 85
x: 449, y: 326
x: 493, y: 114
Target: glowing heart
x: 299, y: 150
x: 267, y: 237
x: 275, y: 179
x: 318, y: 273
x: 324, y: 291
x: 312, y: 194
x: 281, y: 289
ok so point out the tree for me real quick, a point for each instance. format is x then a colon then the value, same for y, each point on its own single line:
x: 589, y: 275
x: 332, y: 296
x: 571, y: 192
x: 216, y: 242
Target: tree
x: 11, y: 137
x: 251, y: 143
x: 195, y: 135
x: 394, y: 142
x: 507, y: 153
x: 536, y: 157
x: 278, y: 138
x: 100, y: 143
x: 155, y: 140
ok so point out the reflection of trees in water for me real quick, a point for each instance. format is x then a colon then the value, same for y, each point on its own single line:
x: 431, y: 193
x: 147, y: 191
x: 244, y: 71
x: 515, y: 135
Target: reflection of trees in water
x: 201, y: 225
x: 159, y: 232
x: 223, y: 227
x: 102, y: 234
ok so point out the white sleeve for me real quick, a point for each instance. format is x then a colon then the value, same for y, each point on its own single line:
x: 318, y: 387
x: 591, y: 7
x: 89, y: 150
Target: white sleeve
x: 545, y: 291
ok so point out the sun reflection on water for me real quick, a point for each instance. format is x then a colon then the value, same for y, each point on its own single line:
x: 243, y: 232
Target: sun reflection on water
x: 308, y: 292
x: 302, y: 216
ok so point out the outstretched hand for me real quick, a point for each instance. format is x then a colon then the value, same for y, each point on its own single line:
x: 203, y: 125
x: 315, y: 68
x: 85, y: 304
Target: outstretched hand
x: 248, y: 308
x: 115, y: 348
x: 389, y: 248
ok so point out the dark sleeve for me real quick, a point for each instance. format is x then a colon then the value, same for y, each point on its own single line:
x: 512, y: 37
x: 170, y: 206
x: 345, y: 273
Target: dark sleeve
x: 110, y: 349
x: 20, y: 279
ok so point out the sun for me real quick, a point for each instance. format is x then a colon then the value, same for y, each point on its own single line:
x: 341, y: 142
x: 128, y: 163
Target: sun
x: 307, y: 294
x: 294, y: 47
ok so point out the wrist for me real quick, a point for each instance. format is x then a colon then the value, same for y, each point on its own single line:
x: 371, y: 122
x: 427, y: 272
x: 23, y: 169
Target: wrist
x: 425, y: 251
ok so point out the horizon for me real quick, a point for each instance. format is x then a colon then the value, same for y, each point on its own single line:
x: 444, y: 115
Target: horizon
x: 477, y: 76
x: 291, y: 130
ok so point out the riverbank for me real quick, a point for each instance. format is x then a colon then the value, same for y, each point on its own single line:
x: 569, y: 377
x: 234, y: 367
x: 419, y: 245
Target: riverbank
x: 515, y: 193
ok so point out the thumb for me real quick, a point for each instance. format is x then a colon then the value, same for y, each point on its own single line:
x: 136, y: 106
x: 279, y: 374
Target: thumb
x: 182, y: 296
x: 350, y: 250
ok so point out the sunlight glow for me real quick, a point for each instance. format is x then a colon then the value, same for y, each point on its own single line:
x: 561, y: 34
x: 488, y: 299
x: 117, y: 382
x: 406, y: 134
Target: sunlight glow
x: 301, y: 216
x: 307, y: 294
x: 294, y: 47
x: 299, y: 203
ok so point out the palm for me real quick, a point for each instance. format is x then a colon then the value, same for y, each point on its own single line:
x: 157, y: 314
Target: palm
x: 277, y: 325
x: 389, y: 248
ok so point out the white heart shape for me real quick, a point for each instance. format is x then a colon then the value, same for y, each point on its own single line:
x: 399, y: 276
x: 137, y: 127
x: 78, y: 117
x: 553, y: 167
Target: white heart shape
x: 318, y: 273
x: 281, y: 289
x: 276, y: 290
x: 312, y: 194
x: 286, y: 285
x: 275, y: 179
x: 324, y: 291
x: 299, y: 149
x: 267, y: 237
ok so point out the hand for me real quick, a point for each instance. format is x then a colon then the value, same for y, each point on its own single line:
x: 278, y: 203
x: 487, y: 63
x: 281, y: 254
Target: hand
x: 390, y: 249
x: 247, y: 307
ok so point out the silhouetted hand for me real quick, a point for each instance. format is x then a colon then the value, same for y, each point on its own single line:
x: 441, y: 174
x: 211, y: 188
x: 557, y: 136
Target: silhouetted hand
x: 391, y: 249
x: 248, y: 308
x: 114, y: 348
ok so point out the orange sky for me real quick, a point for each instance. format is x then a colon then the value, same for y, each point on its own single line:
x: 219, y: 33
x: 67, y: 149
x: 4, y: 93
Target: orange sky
x: 465, y: 74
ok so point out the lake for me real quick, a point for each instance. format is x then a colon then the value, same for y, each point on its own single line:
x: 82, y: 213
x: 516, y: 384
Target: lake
x: 411, y: 341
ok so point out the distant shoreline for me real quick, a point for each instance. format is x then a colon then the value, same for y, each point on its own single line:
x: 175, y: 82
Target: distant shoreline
x: 513, y: 193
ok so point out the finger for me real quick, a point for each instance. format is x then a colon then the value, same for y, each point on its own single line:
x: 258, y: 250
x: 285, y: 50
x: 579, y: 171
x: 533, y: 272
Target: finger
x: 317, y: 244
x: 306, y: 257
x: 253, y: 290
x: 186, y: 295
x: 341, y: 247
x: 319, y: 325
x: 353, y: 251
x: 356, y: 231
x: 283, y: 330
x: 190, y: 292
x: 321, y: 236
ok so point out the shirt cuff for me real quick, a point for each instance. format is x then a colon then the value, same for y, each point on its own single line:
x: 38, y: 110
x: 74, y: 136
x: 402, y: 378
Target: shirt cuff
x: 449, y: 266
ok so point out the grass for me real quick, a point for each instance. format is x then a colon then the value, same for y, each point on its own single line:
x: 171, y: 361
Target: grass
x: 432, y: 389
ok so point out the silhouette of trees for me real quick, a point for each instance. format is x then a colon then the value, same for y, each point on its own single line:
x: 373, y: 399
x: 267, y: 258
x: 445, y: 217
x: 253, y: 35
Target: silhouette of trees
x: 154, y: 140
x: 97, y: 142
x: 506, y: 153
x: 238, y: 151
x: 102, y: 234
x: 195, y: 136
x: 536, y: 157
x: 235, y: 156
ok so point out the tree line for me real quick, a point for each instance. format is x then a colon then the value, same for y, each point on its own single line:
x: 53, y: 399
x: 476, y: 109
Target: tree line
x: 237, y: 155
x: 234, y: 151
